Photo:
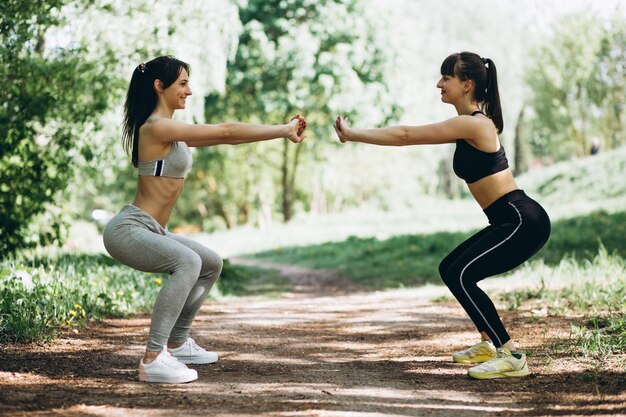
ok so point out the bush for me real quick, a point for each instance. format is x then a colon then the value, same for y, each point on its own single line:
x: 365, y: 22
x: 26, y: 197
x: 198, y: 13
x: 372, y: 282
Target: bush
x: 49, y: 100
x: 41, y: 296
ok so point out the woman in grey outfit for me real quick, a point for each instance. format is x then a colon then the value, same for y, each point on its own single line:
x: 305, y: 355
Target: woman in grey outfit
x: 138, y: 237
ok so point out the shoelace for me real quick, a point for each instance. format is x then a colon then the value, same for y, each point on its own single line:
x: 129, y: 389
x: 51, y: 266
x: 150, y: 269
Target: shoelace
x: 500, y: 355
x: 473, y: 349
x: 193, y: 345
x: 167, y: 360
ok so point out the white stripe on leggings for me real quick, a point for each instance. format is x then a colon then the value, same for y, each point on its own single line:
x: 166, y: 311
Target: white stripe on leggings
x: 482, y: 254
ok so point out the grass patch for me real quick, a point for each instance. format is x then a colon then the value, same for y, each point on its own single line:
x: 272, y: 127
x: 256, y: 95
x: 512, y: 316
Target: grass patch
x: 41, y: 297
x: 581, y: 237
x: 251, y: 281
x: 411, y: 260
x: 594, y: 290
x: 396, y: 262
x: 592, y: 178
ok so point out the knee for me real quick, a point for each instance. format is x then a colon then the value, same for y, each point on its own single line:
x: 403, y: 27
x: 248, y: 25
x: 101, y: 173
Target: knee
x: 212, y: 265
x: 443, y: 268
x: 191, y: 263
x: 445, y: 272
x: 450, y: 275
x: 217, y: 263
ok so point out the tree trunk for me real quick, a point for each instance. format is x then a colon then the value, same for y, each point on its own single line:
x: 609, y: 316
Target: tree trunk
x: 287, y: 204
x: 582, y: 133
x: 289, y: 169
x: 224, y: 215
x: 522, y: 150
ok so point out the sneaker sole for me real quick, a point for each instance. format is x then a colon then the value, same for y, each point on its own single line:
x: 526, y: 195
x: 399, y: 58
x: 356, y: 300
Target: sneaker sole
x: 494, y: 375
x: 162, y: 379
x: 477, y: 359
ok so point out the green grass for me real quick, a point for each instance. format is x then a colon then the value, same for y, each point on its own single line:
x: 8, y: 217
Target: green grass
x: 399, y: 261
x: 44, y: 296
x: 594, y: 292
x: 602, y: 176
x: 251, y: 281
x: 580, y: 237
x: 40, y: 295
x: 410, y: 260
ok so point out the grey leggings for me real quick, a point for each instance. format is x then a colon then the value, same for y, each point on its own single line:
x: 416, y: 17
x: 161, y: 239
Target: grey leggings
x: 136, y: 239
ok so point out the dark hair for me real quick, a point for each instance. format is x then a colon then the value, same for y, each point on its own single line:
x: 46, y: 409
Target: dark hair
x: 470, y: 66
x: 141, y: 99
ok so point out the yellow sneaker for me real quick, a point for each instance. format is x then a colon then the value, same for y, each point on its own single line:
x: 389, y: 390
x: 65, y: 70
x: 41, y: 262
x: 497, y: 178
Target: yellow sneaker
x: 480, y: 352
x: 504, y: 365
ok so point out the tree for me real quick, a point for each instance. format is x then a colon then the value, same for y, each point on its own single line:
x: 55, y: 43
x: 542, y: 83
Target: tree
x: 607, y: 88
x: 577, y: 87
x: 48, y: 99
x: 294, y: 56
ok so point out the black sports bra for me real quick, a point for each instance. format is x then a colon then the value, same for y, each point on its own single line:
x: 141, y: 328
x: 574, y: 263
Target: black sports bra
x: 472, y: 164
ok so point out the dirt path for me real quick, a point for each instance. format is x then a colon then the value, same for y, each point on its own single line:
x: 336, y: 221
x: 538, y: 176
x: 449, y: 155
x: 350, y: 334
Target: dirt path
x: 313, y: 352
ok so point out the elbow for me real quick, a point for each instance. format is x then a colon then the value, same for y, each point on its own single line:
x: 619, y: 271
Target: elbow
x: 230, y: 134
x: 226, y: 131
x: 224, y: 134
x: 404, y: 137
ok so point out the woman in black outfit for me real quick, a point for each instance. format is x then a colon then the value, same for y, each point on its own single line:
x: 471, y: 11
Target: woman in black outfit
x: 518, y: 226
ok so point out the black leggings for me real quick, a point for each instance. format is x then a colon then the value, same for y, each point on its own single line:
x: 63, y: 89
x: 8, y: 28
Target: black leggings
x: 518, y: 228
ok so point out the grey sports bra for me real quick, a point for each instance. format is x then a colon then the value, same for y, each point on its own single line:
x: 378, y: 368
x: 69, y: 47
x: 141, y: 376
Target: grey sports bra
x: 175, y: 164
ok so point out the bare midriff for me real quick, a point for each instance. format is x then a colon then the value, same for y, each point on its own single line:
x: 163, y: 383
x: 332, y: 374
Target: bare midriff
x: 157, y: 196
x: 489, y: 189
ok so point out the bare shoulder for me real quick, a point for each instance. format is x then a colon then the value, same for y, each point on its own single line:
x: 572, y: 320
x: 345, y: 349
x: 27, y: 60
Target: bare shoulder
x: 470, y: 127
x: 485, y: 133
x: 163, y: 130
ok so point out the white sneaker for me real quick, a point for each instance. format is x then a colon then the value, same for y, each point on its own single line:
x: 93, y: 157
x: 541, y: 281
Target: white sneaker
x: 191, y: 353
x: 167, y: 370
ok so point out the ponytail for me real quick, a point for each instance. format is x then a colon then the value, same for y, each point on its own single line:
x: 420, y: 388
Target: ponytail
x: 493, y: 108
x: 470, y: 66
x: 141, y: 99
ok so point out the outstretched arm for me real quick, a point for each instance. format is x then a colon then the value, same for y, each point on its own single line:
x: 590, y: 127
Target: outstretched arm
x: 169, y: 130
x: 460, y: 127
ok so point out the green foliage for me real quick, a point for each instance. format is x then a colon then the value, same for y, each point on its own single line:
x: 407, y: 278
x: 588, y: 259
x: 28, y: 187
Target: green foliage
x: 47, y: 101
x: 607, y: 87
x: 112, y: 37
x: 577, y: 88
x: 40, y: 297
x: 309, y: 57
x: 593, y: 179
x: 25, y: 22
